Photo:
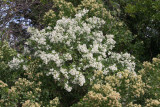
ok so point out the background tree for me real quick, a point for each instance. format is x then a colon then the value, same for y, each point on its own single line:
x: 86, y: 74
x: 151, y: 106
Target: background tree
x: 143, y: 19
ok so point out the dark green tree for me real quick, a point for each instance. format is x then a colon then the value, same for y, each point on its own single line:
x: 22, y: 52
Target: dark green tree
x: 143, y: 19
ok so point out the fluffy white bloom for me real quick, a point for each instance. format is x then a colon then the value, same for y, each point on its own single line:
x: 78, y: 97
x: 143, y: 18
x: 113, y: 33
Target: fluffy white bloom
x: 67, y: 87
x: 89, y: 56
x: 125, y: 60
x: 68, y: 56
x: 15, y: 63
x: 119, y: 74
x: 37, y: 36
x: 25, y: 67
x: 56, y: 37
x: 26, y: 50
x: 95, y: 47
x: 99, y: 36
x: 96, y: 22
x: 51, y: 72
x: 81, y: 13
x: 105, y: 71
x: 68, y: 42
x: 74, y: 72
x: 83, y: 48
x: 51, y: 57
x: 111, y: 41
x: 81, y: 80
x: 64, y: 72
x: 110, y: 36
x: 113, y: 67
x: 94, y: 64
x: 78, y: 77
x: 56, y: 75
x: 99, y: 66
x: 86, y: 28
x: 100, y: 58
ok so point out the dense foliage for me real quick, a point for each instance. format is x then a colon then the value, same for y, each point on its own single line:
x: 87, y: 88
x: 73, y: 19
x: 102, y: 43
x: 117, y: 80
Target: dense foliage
x: 79, y: 54
x: 143, y: 19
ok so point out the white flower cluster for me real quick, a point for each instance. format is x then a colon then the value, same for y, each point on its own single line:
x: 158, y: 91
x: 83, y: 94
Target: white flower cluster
x: 51, y: 57
x: 37, y: 36
x: 76, y: 46
x: 15, y: 62
x: 78, y: 77
x: 81, y: 13
x: 96, y: 22
x: 125, y: 60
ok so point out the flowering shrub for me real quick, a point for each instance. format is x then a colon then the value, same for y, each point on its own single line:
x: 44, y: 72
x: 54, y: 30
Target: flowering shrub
x: 125, y: 89
x: 68, y: 8
x: 150, y: 75
x: 100, y: 96
x: 117, y: 90
x: 75, y: 48
x: 152, y: 103
x: 120, y: 90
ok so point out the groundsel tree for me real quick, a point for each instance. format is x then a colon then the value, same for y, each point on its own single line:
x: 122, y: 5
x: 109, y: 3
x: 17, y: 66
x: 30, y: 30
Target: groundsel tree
x: 74, y: 48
